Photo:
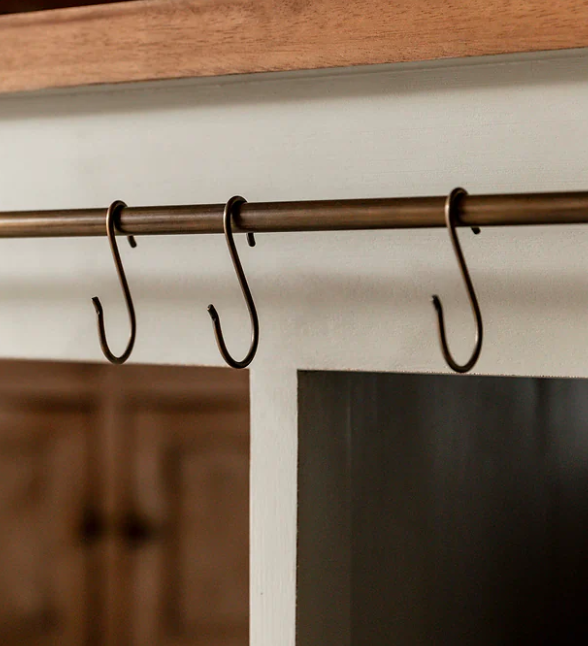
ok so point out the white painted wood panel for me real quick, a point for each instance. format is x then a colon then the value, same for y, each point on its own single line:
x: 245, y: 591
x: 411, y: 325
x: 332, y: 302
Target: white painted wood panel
x: 327, y: 301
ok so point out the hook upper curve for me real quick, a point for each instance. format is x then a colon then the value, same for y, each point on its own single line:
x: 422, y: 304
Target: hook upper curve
x: 450, y: 218
x: 113, y: 210
x: 235, y: 203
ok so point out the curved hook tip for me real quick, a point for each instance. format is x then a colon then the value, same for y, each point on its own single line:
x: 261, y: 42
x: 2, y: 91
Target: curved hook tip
x: 437, y: 303
x: 251, y: 240
x: 213, y: 314
x: 97, y: 305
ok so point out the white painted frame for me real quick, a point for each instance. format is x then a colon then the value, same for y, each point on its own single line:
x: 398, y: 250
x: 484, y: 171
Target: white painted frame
x: 345, y: 301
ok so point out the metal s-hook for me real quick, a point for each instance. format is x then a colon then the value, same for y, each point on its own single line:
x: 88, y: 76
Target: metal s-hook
x: 113, y: 210
x: 450, y: 209
x: 235, y: 203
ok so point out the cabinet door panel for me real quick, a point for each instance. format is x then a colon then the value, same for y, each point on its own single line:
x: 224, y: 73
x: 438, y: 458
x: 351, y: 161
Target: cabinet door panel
x: 43, y: 562
x: 190, y: 555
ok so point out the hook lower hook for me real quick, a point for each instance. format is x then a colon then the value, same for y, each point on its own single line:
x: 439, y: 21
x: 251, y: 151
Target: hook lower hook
x: 113, y: 210
x: 235, y: 203
x: 450, y: 205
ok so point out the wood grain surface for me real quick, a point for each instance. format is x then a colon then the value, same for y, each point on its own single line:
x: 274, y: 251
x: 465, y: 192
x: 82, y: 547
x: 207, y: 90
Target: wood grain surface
x: 124, y: 505
x: 164, y: 39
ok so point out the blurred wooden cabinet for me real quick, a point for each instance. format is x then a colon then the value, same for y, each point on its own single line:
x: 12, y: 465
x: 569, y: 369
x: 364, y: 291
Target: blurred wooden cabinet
x: 43, y: 565
x: 124, y: 506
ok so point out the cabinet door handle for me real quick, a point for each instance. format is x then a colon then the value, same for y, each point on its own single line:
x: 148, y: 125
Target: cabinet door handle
x: 92, y: 526
x: 137, y: 530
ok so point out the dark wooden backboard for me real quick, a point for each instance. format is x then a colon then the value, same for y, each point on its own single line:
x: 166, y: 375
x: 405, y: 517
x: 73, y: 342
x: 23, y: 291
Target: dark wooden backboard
x: 23, y: 6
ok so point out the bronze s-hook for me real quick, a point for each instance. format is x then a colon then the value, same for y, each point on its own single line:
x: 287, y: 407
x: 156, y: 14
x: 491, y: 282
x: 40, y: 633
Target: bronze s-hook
x: 235, y: 203
x: 113, y: 210
x: 450, y: 205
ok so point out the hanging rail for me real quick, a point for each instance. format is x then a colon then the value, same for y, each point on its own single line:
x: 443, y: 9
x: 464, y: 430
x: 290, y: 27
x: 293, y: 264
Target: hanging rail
x: 334, y: 215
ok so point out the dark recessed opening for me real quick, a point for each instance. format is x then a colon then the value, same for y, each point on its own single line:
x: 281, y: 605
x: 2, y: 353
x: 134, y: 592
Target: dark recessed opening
x: 442, y: 510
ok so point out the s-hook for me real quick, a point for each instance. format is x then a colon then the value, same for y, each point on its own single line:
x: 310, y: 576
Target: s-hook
x: 450, y: 218
x: 235, y: 203
x: 113, y: 210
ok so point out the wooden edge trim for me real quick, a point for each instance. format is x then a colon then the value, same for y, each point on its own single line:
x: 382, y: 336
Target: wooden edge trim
x: 171, y: 39
x: 56, y: 381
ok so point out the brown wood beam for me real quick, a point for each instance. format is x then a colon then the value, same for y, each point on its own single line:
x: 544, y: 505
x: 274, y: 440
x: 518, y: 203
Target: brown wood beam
x: 165, y: 39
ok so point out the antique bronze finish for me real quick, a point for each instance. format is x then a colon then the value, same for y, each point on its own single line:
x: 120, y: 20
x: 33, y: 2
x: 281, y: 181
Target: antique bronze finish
x: 239, y: 216
x: 335, y: 215
x: 111, y: 214
x: 451, y: 206
x: 231, y: 210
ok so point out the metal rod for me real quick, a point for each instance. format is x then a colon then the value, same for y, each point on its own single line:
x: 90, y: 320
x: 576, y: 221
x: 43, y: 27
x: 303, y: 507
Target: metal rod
x: 335, y: 215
